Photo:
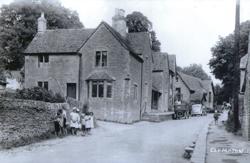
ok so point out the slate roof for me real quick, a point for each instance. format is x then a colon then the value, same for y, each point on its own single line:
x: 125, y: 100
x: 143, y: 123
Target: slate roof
x: 58, y: 41
x: 172, y: 63
x: 100, y: 75
x: 71, y: 40
x: 160, y: 61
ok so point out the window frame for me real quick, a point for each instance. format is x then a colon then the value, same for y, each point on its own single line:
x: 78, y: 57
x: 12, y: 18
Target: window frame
x: 100, y: 62
x: 43, y: 84
x: 99, y: 85
x: 43, y: 59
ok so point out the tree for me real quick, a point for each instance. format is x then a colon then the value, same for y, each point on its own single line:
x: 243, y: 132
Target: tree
x: 196, y: 71
x: 219, y: 95
x: 137, y: 22
x: 221, y: 62
x: 19, y: 25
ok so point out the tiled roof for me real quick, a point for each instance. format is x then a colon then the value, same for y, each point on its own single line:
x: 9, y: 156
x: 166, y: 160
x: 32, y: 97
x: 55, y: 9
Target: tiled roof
x: 172, y: 63
x: 194, y: 84
x: 100, y: 75
x: 160, y: 61
x: 58, y: 41
x: 71, y: 40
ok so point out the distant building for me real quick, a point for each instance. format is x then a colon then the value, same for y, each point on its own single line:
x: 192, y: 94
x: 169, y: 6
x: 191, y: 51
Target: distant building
x: 194, y: 90
x: 106, y: 67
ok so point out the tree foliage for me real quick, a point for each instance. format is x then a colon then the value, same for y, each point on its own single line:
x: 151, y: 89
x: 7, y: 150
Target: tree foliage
x: 219, y: 95
x: 221, y: 62
x: 195, y: 70
x: 18, y: 26
x: 137, y: 22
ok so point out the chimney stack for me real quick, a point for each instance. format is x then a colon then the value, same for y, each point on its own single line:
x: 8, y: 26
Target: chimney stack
x: 42, y: 23
x: 119, y: 22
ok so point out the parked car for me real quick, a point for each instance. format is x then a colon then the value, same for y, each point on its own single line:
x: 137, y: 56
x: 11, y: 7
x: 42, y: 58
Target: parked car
x: 197, y: 109
x: 181, y: 111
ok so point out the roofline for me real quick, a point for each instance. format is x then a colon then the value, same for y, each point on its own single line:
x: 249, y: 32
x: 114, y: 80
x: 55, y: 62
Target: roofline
x: 185, y: 82
x: 54, y: 53
x: 105, y: 24
x: 157, y: 70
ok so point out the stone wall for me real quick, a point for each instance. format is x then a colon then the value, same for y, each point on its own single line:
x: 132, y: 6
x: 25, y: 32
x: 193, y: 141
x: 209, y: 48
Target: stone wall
x: 246, y: 112
x: 25, y: 121
x: 185, y: 92
x: 60, y: 70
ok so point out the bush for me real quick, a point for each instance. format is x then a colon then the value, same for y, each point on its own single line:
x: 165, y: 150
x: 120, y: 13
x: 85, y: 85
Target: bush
x: 40, y: 94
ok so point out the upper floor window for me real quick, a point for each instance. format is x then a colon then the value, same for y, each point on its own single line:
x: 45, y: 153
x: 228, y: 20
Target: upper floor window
x: 43, y: 84
x: 43, y: 59
x: 101, y: 59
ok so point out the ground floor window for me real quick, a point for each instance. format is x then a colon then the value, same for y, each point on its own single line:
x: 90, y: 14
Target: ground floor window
x: 43, y: 84
x: 101, y: 89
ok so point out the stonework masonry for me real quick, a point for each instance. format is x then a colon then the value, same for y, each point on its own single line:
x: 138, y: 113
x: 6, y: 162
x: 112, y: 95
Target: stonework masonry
x: 26, y: 121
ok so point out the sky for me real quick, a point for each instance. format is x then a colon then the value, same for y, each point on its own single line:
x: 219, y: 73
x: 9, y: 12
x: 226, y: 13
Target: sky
x: 186, y: 28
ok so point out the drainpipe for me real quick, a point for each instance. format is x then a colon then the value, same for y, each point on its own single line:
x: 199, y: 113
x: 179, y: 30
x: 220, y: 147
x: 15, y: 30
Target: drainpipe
x: 141, y: 90
x: 79, y: 76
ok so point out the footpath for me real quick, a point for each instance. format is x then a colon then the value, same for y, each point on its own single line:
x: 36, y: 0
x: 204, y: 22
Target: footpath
x: 225, y: 147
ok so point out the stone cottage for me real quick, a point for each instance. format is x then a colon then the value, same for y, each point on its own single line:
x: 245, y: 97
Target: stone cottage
x: 194, y: 90
x: 106, y: 67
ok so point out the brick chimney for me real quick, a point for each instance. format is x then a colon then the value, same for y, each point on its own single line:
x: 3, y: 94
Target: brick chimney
x: 42, y: 23
x: 119, y: 22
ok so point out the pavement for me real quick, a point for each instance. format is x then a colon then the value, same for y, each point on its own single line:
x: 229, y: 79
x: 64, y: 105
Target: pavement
x: 143, y: 142
x: 225, y: 147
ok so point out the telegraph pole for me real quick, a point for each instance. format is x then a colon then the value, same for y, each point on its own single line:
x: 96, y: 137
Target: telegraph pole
x: 236, y: 60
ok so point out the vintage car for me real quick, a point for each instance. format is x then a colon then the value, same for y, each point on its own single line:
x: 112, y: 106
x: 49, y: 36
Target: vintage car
x: 181, y: 111
x: 198, y: 109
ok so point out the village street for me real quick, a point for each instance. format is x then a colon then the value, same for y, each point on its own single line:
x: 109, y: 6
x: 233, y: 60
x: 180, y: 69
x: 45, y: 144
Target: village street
x: 142, y: 142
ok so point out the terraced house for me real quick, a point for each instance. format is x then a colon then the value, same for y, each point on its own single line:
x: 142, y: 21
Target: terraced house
x: 106, y: 67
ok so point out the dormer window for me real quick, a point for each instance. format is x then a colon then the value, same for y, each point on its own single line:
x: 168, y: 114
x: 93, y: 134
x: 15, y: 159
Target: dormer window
x: 101, y: 59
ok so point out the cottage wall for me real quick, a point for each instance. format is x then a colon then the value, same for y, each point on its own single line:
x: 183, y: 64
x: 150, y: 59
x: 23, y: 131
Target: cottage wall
x: 246, y: 112
x: 60, y: 70
x: 184, y: 89
x: 121, y: 66
x: 147, y: 78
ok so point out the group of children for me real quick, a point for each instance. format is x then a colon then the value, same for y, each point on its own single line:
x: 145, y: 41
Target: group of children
x: 77, y: 123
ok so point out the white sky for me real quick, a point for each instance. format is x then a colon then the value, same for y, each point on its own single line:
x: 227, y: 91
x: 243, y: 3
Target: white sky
x: 187, y: 28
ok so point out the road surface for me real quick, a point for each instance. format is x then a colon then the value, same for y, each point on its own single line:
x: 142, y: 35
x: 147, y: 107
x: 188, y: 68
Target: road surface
x: 142, y: 142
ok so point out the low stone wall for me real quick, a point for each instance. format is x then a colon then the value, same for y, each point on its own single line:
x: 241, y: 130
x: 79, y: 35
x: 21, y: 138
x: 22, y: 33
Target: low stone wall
x: 25, y: 121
